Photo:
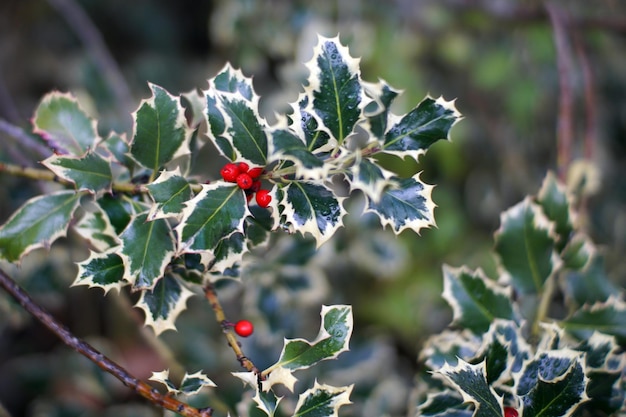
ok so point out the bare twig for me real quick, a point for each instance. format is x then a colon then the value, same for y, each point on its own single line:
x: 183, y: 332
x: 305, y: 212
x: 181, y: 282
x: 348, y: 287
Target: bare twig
x: 591, y: 118
x: 24, y: 140
x: 211, y: 296
x: 106, y: 364
x: 565, y: 128
x: 92, y: 39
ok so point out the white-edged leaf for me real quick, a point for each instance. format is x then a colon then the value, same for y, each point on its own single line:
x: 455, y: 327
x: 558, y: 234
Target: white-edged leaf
x: 286, y: 145
x: 169, y: 191
x: 66, y: 127
x: 163, y: 303
x: 369, y: 177
x: 193, y: 383
x: 103, y: 270
x: 164, y: 378
x: 37, y: 223
x: 406, y: 204
x: 147, y: 249
x: 322, y: 401
x: 89, y: 172
x: 96, y: 228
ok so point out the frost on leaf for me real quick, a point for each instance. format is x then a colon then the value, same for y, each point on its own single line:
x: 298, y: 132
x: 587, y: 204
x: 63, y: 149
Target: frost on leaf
x: 37, y: 223
x: 322, y: 400
x: 61, y: 121
x: 525, y: 244
x: 163, y: 303
x: 406, y: 204
x: 160, y: 130
x: 333, y: 339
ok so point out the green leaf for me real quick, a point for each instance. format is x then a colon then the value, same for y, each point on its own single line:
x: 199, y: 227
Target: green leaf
x: 89, y: 172
x: 553, y: 384
x: 476, y: 300
x: 61, y: 121
x: 228, y: 252
x: 169, y: 191
x: 608, y: 317
x: 334, y: 84
x: 578, y: 253
x: 332, y: 339
x: 447, y: 403
x: 160, y: 130
x: 163, y: 303
x: 116, y: 145
x: 556, y: 205
x: 95, y: 227
x: 471, y: 382
x: 103, y: 270
x: 590, y: 285
x: 215, y: 213
x: 285, y: 145
x: 147, y: 249
x: 265, y: 400
x: 377, y: 111
x: 412, y: 134
x: 236, y: 127
x: 193, y: 383
x: 448, y: 347
x: 118, y: 210
x: 306, y: 127
x: 312, y: 208
x: 525, y: 244
x: 37, y: 223
x: 509, y: 334
x: 322, y: 401
x: 368, y: 176
x: 406, y: 204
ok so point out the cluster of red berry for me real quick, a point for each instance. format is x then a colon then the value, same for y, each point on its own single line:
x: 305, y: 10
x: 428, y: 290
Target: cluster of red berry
x: 248, y: 180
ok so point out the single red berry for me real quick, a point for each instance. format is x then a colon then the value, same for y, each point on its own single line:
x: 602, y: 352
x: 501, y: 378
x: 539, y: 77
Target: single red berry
x: 230, y: 172
x: 510, y: 412
x: 263, y: 198
x: 255, y: 172
x: 243, y: 167
x: 244, y: 181
x: 256, y: 186
x: 244, y: 328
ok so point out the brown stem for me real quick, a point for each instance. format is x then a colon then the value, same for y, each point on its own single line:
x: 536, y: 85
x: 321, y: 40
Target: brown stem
x: 106, y: 364
x: 565, y: 129
x: 211, y: 296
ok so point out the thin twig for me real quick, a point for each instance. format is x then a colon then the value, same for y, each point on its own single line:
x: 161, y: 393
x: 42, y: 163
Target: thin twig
x: 24, y: 139
x: 211, y: 296
x: 106, y: 364
x: 591, y: 118
x: 89, y: 35
x: 565, y: 128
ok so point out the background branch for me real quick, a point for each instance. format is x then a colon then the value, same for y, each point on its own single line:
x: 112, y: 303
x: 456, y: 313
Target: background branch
x: 85, y: 349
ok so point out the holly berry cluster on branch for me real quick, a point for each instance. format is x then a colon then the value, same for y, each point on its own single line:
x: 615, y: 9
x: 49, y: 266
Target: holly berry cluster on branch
x: 248, y: 180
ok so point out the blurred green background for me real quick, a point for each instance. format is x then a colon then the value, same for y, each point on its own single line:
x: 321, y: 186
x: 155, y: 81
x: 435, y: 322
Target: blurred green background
x: 497, y: 58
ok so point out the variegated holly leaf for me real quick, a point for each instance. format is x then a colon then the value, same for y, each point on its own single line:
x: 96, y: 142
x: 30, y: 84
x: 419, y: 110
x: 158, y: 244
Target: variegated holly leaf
x: 228, y: 252
x: 66, y: 127
x: 526, y: 246
x: 312, y: 208
x: 406, y: 204
x: 368, y: 176
x: 471, y: 382
x: 447, y: 403
x: 377, y: 111
x: 169, y: 191
x: 508, y: 334
x: 557, y: 206
x: 189, y: 385
x: 449, y: 346
x: 163, y: 303
x: 116, y: 147
x: 322, y: 401
x: 578, y: 253
x: 336, y: 97
x: 37, y: 223
x: 413, y: 133
x: 118, y: 209
x: 610, y: 316
x: 265, y: 400
x: 96, y: 228
x: 89, y: 172
x: 258, y: 226
x: 235, y: 125
x: 590, y: 285
x: 160, y: 132
x: 286, y: 145
x: 332, y: 339
x: 214, y: 214
x: 147, y: 249
x: 308, y: 129
x: 552, y: 384
x: 476, y: 300
x: 104, y: 270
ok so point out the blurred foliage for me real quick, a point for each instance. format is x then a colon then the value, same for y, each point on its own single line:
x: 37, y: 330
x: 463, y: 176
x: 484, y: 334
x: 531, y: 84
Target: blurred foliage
x: 497, y: 58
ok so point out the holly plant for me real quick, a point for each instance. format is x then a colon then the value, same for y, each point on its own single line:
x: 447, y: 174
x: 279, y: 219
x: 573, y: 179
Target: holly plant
x: 167, y: 234
x: 543, y: 338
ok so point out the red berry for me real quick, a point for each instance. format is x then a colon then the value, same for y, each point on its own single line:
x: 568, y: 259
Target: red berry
x: 263, y: 198
x: 244, y: 328
x: 255, y: 172
x: 510, y: 412
x: 244, y: 181
x: 256, y: 186
x: 230, y: 172
x: 243, y: 167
